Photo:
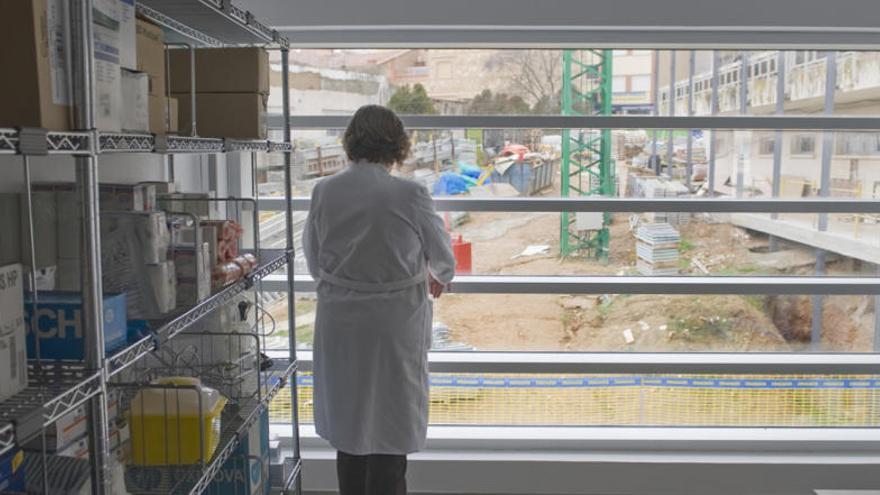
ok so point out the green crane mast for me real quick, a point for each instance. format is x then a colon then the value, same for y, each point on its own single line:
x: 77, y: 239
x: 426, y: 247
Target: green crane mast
x: 587, y: 168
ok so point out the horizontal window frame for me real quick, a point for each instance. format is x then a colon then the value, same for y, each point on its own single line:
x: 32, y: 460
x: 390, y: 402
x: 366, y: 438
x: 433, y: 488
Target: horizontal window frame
x: 589, y: 37
x: 622, y: 205
x: 638, y: 284
x: 718, y: 122
x: 687, y: 363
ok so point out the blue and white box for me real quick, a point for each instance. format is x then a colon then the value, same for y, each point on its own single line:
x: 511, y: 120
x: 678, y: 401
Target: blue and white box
x: 59, y: 324
x: 246, y: 472
x: 12, y: 471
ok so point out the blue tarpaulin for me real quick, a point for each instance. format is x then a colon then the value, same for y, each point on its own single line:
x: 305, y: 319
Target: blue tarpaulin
x: 451, y: 184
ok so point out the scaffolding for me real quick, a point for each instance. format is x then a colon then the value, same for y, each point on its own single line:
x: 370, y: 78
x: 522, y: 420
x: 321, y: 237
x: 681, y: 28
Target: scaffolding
x: 587, y: 167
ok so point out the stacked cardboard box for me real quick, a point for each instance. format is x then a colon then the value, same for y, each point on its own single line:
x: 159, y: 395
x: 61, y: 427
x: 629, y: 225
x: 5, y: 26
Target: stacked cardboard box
x: 33, y: 35
x: 134, y: 254
x: 232, y: 89
x: 657, y: 247
x: 151, y: 61
x: 135, y: 241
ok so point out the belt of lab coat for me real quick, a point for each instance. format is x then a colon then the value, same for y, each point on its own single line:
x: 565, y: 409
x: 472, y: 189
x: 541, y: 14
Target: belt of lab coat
x: 419, y: 278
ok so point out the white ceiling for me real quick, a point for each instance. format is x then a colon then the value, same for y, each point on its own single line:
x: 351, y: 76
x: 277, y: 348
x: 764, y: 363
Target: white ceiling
x: 563, y: 22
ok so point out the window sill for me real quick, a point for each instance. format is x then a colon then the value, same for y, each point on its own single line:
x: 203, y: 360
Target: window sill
x: 562, y: 460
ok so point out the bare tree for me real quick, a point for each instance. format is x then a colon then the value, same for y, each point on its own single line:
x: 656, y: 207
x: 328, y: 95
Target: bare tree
x: 536, y: 75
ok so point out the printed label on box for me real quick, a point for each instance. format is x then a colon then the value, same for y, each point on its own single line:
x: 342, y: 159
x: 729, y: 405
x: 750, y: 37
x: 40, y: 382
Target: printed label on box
x: 59, y: 56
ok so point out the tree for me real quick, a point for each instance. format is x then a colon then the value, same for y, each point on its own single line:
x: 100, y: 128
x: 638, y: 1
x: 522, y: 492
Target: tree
x: 536, y: 75
x: 487, y: 103
x: 414, y: 101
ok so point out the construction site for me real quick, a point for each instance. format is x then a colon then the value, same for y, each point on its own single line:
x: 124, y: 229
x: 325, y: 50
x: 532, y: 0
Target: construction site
x: 652, y: 164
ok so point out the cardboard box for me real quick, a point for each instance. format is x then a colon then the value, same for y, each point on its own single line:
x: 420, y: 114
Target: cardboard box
x: 134, y: 238
x: 221, y: 70
x: 193, y: 270
x: 68, y: 226
x: 79, y: 449
x: 163, y: 114
x: 127, y: 197
x: 45, y: 214
x: 150, y: 290
x: 65, y: 435
x: 13, y: 360
x: 35, y: 44
x: 127, y: 35
x: 58, y: 321
x: 107, y: 17
x: 135, y: 110
x: 160, y: 187
x: 232, y: 115
x: 10, y: 228
x: 169, y: 202
x: 68, y: 274
x: 150, y: 48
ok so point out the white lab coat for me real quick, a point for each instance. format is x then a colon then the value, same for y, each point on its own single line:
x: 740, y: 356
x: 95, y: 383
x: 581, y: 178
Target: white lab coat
x: 370, y: 240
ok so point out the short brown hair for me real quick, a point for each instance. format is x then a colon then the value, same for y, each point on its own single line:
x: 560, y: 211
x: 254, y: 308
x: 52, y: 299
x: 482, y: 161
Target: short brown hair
x: 376, y: 134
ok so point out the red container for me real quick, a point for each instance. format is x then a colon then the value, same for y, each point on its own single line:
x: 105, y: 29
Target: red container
x: 462, y: 252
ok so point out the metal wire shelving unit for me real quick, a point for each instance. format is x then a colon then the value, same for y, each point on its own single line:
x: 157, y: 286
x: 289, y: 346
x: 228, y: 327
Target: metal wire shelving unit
x: 56, y: 389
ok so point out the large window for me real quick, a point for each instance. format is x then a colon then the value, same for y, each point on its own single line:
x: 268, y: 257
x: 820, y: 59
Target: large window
x: 724, y: 245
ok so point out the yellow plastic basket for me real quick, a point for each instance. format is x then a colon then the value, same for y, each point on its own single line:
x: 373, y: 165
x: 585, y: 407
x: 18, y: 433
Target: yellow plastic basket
x: 165, y: 422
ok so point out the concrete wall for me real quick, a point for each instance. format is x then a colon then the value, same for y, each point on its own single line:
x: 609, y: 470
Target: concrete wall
x: 852, y: 175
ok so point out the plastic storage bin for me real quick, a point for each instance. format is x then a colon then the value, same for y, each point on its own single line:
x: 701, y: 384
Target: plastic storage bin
x: 168, y: 418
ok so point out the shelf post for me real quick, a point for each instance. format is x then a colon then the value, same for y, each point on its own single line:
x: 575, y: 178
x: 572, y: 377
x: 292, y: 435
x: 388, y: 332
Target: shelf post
x: 92, y: 294
x: 288, y: 212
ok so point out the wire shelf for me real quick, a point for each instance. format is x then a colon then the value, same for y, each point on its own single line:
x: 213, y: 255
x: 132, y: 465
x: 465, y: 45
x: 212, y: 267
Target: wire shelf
x: 53, y: 391
x: 76, y: 143
x: 110, y: 142
x: 208, y: 22
x: 8, y: 141
x: 235, y: 421
x: 138, y: 350
x: 69, y: 142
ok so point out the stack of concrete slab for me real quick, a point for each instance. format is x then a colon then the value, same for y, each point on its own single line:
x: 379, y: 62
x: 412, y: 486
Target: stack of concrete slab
x: 655, y: 187
x: 657, y: 248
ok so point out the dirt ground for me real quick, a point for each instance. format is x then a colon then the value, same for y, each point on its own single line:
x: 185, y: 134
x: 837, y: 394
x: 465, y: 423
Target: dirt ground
x: 710, y: 246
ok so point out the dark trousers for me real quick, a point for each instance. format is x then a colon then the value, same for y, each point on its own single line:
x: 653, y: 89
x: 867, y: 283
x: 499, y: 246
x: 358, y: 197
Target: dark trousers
x: 373, y: 474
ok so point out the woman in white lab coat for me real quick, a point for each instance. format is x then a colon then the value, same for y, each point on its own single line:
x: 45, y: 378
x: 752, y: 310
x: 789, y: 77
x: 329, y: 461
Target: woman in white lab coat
x: 376, y: 247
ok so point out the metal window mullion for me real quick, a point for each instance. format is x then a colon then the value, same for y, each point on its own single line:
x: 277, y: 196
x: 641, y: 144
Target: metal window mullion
x: 713, y: 110
x: 824, y: 191
x: 689, y: 165
x: 655, y: 89
x: 670, y: 141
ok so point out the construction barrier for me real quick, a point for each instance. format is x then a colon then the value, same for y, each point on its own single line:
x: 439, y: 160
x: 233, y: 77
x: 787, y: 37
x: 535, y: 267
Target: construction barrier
x: 649, y: 400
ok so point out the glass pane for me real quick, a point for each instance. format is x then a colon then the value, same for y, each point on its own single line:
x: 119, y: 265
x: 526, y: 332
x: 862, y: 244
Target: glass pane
x: 637, y: 400
x: 510, y: 81
x: 470, y: 164
x: 699, y: 163
x: 653, y: 323
x: 629, y: 323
